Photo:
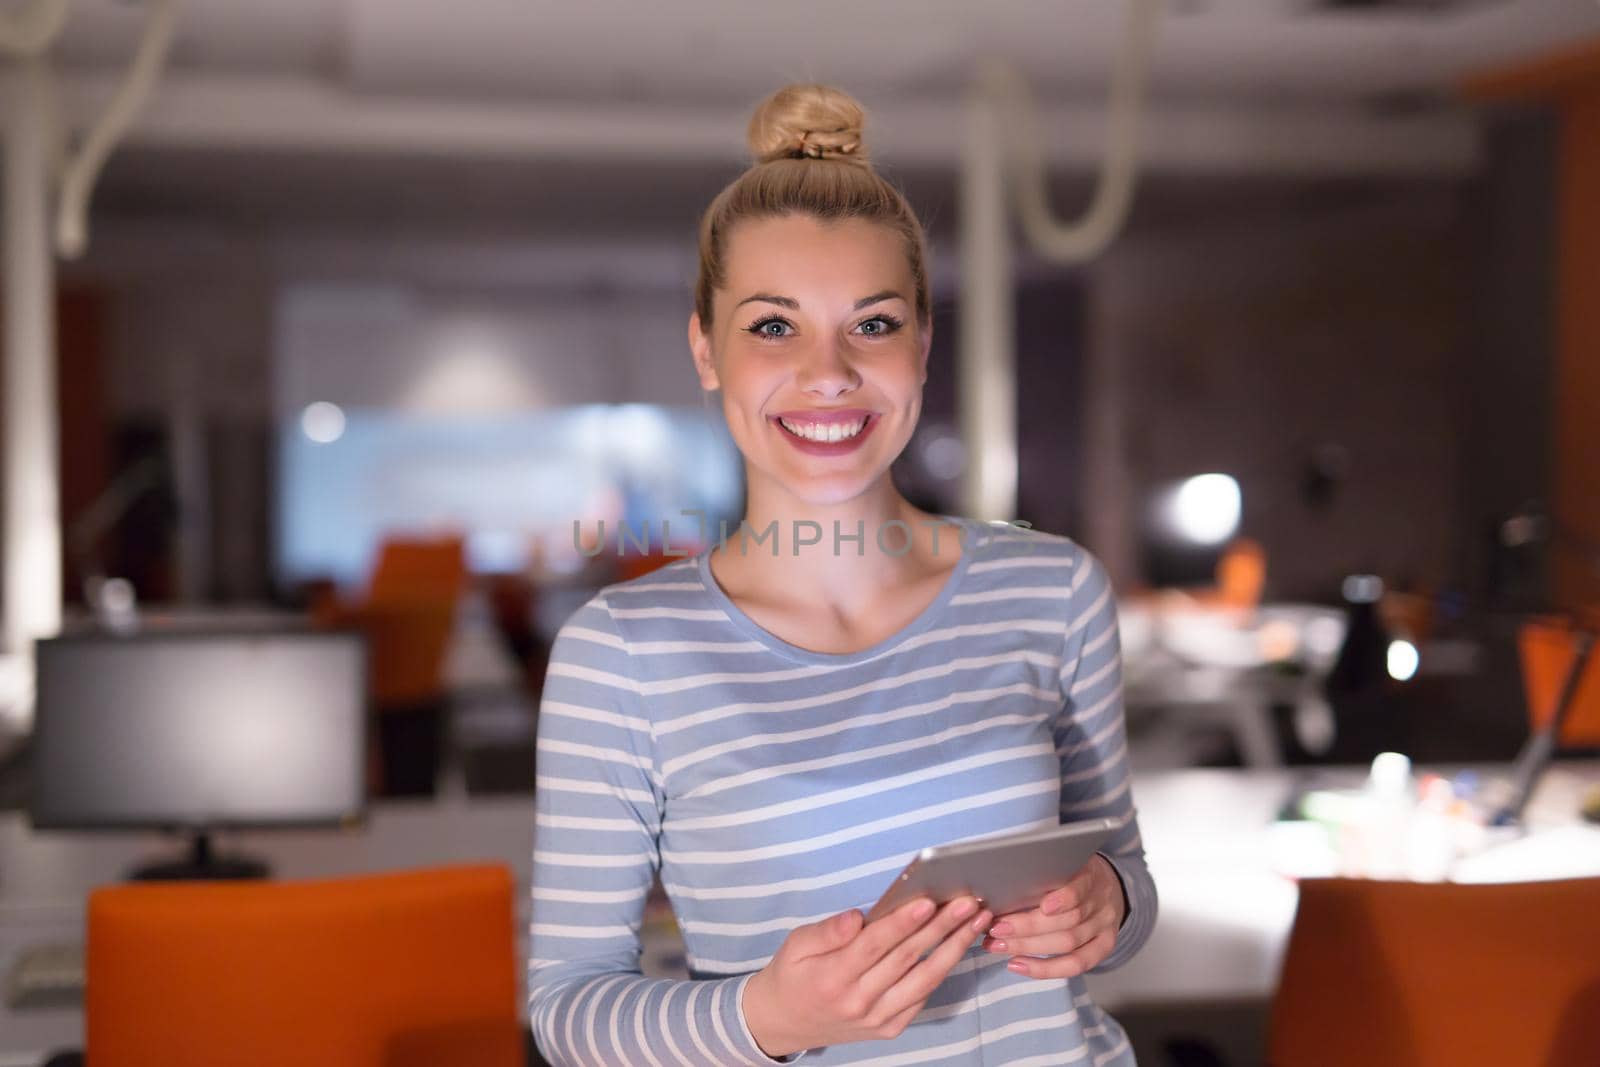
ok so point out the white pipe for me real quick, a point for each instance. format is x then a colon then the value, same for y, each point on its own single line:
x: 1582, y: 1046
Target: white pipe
x: 77, y: 184
x: 1088, y: 236
x: 32, y: 514
x: 986, y: 389
x: 32, y: 31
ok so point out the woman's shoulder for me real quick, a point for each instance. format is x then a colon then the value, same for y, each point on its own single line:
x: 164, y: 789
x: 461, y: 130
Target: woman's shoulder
x: 1019, y: 540
x: 616, y: 610
x: 1041, y: 563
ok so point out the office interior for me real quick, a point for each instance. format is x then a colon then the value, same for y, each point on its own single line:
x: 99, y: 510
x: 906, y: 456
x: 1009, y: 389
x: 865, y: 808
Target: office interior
x: 331, y: 385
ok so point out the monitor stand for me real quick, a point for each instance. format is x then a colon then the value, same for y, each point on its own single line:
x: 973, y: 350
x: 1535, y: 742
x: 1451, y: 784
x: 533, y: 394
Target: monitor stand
x: 202, y: 864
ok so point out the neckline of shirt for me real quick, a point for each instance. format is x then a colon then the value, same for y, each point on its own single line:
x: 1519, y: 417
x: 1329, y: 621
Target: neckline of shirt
x: 972, y: 533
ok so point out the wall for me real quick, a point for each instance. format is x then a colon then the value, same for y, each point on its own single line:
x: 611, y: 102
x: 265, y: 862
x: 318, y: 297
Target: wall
x: 1242, y: 344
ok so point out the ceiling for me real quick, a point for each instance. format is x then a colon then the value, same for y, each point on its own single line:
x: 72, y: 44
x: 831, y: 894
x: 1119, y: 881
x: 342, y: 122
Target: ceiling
x: 714, y: 51
x: 530, y: 115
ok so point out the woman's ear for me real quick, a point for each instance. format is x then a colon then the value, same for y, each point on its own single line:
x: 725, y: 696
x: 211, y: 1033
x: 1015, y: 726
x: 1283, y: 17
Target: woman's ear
x: 700, y: 350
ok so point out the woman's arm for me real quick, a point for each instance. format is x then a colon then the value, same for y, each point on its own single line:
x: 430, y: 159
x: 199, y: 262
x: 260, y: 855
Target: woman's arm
x: 1091, y: 742
x: 598, y: 808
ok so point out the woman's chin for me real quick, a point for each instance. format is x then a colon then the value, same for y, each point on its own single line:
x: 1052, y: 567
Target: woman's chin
x: 830, y: 490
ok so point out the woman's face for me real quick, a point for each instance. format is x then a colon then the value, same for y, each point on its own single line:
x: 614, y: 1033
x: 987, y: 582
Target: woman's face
x: 816, y: 332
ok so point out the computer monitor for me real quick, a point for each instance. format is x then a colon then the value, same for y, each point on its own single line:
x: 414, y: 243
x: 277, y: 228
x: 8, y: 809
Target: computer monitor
x: 199, y: 731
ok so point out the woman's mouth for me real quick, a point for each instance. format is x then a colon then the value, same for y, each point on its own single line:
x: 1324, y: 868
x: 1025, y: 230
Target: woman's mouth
x: 826, y: 438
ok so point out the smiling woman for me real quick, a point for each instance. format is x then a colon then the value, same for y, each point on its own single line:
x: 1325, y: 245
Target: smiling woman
x: 776, y: 733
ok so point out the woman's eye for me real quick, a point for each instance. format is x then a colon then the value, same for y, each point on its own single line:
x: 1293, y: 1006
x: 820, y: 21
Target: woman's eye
x: 769, y: 328
x: 880, y: 324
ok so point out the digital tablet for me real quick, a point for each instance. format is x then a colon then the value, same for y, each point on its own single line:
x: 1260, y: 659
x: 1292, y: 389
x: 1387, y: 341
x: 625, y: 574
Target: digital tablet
x: 1010, y: 873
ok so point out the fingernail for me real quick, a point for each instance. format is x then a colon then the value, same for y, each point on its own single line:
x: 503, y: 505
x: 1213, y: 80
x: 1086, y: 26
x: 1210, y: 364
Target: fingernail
x: 922, y: 909
x: 997, y: 946
x: 965, y: 908
x: 982, y: 920
x: 1000, y: 929
x: 1018, y: 966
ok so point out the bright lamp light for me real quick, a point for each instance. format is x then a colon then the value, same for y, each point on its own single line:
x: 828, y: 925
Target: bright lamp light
x: 1206, y: 509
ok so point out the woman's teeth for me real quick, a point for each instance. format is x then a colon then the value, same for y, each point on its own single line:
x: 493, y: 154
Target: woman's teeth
x: 818, y: 432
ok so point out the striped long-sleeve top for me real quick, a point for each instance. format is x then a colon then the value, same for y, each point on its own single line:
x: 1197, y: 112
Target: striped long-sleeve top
x: 772, y: 786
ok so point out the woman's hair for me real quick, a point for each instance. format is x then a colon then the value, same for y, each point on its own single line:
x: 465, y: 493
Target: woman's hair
x: 809, y: 160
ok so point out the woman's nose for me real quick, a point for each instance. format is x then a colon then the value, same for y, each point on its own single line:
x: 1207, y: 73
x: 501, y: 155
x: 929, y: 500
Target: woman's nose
x: 826, y: 369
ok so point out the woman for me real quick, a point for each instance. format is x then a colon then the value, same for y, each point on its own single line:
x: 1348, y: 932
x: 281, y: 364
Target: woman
x: 780, y: 722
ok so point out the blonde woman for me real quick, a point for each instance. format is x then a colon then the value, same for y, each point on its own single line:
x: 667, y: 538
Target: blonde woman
x: 778, y: 723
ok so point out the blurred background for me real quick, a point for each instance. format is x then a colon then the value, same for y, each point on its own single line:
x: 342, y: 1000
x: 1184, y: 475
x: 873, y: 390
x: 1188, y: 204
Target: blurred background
x: 378, y: 328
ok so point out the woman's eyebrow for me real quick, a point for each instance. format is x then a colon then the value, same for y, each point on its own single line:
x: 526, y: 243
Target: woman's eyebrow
x: 782, y: 301
x: 887, y: 294
x: 794, y: 305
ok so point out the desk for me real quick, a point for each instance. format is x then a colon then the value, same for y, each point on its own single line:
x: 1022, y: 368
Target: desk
x: 1225, y: 912
x: 1223, y: 666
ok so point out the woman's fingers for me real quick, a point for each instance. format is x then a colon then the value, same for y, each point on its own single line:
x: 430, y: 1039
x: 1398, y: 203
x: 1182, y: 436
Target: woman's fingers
x: 958, y: 918
x: 877, y: 938
x: 909, y: 993
x: 1069, y: 965
x: 1039, y: 939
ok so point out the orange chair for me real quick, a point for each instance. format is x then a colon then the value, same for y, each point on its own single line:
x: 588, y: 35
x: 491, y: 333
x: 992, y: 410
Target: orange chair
x: 1548, y: 647
x: 413, y: 568
x: 408, y: 612
x: 407, y: 616
x: 1411, y: 974
x: 403, y: 969
x: 1242, y: 573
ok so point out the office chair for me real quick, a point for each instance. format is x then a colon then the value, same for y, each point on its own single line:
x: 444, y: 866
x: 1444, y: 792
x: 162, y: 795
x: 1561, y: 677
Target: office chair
x: 403, y: 969
x: 407, y: 614
x: 1408, y: 974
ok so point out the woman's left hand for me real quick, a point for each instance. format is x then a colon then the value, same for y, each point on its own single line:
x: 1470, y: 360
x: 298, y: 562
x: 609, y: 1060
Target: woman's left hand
x: 1075, y: 925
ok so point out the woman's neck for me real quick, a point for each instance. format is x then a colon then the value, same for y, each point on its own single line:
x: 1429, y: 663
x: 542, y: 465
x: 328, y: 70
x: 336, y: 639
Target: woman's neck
x: 840, y: 557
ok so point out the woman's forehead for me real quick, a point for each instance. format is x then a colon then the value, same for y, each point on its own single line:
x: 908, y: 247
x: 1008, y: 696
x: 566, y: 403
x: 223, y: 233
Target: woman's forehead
x: 777, y: 254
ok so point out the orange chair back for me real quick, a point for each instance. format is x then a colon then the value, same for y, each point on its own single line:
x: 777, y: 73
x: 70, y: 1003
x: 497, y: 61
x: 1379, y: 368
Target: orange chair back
x: 410, y: 569
x: 1548, y: 650
x: 1408, y: 974
x: 1242, y: 573
x: 403, y: 969
x: 408, y: 617
x: 406, y: 648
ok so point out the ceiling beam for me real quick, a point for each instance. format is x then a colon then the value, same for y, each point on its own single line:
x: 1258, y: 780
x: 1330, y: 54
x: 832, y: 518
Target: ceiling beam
x: 305, y: 116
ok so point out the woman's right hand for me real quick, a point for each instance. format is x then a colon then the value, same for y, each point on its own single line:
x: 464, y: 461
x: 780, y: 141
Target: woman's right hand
x: 838, y: 980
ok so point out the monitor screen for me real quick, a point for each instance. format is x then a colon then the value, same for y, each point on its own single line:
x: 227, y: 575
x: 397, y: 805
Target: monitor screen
x: 195, y: 730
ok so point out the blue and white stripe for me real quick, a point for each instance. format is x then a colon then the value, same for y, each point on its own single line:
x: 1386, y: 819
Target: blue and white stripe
x: 772, y: 786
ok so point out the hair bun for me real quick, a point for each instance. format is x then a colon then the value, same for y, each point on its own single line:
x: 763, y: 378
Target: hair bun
x: 807, y: 120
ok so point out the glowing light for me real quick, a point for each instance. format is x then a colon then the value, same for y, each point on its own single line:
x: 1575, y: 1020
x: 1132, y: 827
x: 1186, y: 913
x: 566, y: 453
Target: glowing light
x: 1206, y: 508
x: 322, y: 422
x: 1403, y: 660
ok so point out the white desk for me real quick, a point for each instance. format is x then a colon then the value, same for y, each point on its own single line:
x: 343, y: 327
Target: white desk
x: 1225, y: 913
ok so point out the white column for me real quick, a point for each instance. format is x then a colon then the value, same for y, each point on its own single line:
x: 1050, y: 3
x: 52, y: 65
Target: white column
x: 986, y: 380
x: 32, y: 522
